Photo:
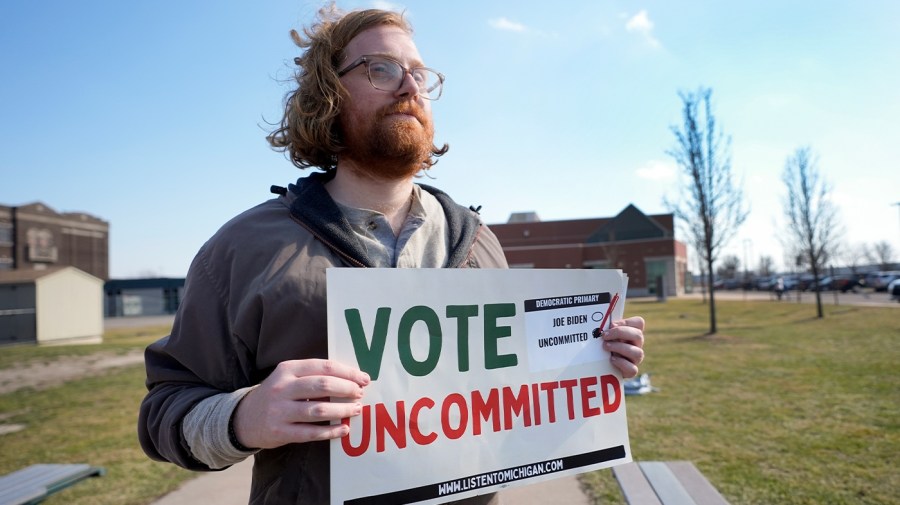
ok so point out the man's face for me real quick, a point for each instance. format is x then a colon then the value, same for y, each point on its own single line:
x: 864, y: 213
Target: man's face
x: 388, y: 133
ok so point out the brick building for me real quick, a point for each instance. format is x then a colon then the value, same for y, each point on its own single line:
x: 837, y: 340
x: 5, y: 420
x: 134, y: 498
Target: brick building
x: 643, y: 246
x: 35, y: 237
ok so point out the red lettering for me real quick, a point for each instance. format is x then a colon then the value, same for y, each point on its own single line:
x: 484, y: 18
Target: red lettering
x: 414, y: 431
x: 586, y: 396
x: 460, y: 402
x: 569, y: 384
x: 485, y: 409
x: 523, y: 401
x: 536, y: 401
x: 383, y: 423
x: 610, y: 404
x: 516, y: 404
x: 363, y: 446
x: 550, y: 387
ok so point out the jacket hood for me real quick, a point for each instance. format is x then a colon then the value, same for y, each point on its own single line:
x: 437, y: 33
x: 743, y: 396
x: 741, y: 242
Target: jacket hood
x: 313, y: 208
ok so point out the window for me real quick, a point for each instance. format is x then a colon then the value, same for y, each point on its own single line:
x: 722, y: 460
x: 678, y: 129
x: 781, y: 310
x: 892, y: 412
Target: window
x: 6, y: 234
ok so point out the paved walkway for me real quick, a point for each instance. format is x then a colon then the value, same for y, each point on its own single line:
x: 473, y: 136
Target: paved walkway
x: 232, y: 487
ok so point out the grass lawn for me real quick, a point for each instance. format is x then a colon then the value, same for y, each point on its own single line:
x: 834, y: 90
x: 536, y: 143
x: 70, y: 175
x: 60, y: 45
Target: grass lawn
x: 779, y: 408
x: 92, y: 420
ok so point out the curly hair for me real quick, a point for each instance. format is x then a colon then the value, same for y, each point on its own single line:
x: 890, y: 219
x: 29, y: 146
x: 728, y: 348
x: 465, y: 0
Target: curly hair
x: 309, y: 130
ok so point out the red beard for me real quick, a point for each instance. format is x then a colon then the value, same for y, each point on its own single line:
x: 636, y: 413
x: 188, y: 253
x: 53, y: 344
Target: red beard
x: 385, y: 147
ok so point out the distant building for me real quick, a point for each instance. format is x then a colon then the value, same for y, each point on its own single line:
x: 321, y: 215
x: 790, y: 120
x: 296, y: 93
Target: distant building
x: 56, y: 305
x: 36, y: 237
x: 643, y: 246
x: 143, y: 297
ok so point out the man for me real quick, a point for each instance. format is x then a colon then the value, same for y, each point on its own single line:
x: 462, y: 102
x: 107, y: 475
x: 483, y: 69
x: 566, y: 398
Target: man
x: 244, y: 370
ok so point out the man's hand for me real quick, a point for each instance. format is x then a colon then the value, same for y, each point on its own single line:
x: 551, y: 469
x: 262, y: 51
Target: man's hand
x: 282, y: 409
x: 625, y: 342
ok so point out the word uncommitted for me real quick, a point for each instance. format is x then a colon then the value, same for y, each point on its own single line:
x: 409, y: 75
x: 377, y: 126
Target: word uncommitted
x: 534, y: 404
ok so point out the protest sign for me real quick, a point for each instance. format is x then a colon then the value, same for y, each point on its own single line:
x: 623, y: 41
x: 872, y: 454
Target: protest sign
x: 481, y: 380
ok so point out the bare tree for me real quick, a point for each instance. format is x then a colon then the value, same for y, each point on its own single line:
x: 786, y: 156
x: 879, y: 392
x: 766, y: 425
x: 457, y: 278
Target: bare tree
x: 710, y: 207
x: 766, y: 266
x: 812, y: 217
x: 853, y: 256
x: 729, y: 268
x: 882, y: 254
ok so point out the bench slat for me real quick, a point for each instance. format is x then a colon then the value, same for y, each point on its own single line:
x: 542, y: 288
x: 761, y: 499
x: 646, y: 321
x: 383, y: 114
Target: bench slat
x: 703, y: 492
x: 16, y: 497
x: 634, y: 485
x: 33, y: 483
x: 666, y: 485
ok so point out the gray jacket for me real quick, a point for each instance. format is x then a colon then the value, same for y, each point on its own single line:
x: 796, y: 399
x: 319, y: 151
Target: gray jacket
x: 254, y: 297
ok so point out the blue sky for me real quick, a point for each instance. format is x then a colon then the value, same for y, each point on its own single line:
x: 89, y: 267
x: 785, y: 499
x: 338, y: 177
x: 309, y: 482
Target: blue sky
x: 153, y: 115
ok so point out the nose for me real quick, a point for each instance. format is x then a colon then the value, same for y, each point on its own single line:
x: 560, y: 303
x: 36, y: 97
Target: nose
x: 408, y: 86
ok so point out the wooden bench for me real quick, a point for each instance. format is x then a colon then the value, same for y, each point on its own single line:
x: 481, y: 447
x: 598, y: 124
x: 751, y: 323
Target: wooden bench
x: 666, y: 483
x: 35, y: 483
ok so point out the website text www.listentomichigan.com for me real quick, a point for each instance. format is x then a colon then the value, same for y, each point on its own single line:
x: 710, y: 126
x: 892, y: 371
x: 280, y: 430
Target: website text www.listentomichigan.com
x: 499, y: 477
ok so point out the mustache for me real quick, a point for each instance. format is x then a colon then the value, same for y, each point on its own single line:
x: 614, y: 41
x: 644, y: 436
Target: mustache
x: 404, y: 108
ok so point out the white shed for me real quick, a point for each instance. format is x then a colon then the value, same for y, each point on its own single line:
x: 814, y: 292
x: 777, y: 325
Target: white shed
x: 61, y: 305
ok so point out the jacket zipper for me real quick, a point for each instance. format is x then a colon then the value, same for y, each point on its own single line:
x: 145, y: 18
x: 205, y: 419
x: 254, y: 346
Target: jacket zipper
x: 350, y: 259
x: 472, y: 247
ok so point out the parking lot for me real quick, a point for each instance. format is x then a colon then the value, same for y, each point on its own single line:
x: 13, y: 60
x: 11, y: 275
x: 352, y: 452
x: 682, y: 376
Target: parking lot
x: 865, y: 297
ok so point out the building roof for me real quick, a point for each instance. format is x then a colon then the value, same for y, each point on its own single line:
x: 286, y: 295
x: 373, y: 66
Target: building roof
x: 629, y: 224
x: 148, y: 283
x: 25, y: 276
x: 42, y: 209
x: 29, y: 276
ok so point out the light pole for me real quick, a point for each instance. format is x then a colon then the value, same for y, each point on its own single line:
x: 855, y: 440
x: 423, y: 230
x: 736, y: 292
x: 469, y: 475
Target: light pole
x: 898, y: 205
x: 746, y: 243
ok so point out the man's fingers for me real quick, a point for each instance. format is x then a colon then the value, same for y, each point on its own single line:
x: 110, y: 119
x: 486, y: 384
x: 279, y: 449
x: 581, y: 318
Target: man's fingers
x: 629, y: 330
x: 630, y: 352
x: 313, y: 432
x: 322, y: 386
x: 625, y: 342
x: 315, y: 411
x: 627, y: 368
x: 327, y: 367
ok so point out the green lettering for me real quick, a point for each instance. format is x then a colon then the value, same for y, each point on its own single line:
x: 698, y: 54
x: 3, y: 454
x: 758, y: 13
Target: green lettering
x: 410, y: 318
x: 462, y: 313
x: 368, y: 357
x: 492, y: 333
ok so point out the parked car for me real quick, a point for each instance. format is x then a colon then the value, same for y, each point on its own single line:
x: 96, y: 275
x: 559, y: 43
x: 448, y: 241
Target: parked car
x: 893, y: 289
x: 880, y: 282
x: 849, y: 282
x: 825, y: 284
x: 806, y: 282
x: 790, y: 282
x: 870, y: 278
x: 765, y: 283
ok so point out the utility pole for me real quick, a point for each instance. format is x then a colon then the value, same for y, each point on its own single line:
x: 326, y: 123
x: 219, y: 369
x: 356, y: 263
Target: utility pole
x: 744, y: 284
x: 898, y: 205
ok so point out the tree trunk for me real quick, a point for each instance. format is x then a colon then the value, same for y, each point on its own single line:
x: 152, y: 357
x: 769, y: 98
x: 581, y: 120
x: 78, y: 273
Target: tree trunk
x: 712, y: 297
x: 815, y: 272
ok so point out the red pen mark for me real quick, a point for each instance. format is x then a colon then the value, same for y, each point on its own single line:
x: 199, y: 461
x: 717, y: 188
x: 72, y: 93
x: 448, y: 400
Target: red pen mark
x: 612, y: 305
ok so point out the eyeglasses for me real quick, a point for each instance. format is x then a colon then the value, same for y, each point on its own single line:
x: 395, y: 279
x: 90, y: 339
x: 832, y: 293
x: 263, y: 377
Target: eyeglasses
x: 387, y: 74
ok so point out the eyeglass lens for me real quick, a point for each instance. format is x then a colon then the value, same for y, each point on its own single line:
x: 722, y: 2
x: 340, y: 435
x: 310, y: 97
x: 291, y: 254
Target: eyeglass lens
x: 388, y: 75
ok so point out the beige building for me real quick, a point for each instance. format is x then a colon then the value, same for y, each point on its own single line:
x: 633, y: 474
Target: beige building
x: 57, y: 305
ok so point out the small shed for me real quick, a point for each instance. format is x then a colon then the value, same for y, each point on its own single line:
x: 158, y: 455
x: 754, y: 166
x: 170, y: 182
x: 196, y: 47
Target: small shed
x: 60, y: 305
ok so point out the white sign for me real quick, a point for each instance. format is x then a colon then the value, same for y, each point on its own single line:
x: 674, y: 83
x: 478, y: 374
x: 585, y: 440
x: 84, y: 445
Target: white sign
x: 481, y: 380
